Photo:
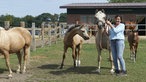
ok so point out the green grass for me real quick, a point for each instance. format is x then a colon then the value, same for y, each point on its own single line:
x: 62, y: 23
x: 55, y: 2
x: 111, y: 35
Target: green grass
x: 45, y: 61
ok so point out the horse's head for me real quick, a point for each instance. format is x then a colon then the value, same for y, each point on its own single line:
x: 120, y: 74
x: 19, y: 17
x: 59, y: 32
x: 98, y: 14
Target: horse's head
x: 100, y: 15
x: 77, y: 29
x: 84, y: 32
x: 130, y: 25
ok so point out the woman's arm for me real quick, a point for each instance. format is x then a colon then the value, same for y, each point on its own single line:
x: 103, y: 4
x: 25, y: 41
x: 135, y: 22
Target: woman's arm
x: 117, y: 29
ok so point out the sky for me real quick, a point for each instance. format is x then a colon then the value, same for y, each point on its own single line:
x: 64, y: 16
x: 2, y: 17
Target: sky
x: 21, y: 8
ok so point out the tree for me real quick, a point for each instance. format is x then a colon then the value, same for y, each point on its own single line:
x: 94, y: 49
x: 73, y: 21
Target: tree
x: 28, y: 19
x: 124, y: 1
x: 16, y: 21
x: 55, y: 17
x: 44, y: 17
x: 63, y: 17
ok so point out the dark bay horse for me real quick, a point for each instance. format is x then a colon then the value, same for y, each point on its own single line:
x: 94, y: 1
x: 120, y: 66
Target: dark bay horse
x: 133, y: 38
x: 102, y: 39
x: 13, y: 41
x: 73, y: 39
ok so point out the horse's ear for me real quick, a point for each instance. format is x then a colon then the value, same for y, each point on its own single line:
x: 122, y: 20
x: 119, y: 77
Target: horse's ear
x: 103, y: 10
x: 96, y: 10
x: 81, y: 26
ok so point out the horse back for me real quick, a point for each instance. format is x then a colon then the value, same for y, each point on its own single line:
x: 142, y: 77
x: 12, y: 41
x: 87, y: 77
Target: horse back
x: 23, y: 33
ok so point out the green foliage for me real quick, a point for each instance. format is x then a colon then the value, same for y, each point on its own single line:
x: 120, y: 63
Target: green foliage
x: 28, y: 19
x: 62, y: 17
x: 124, y: 1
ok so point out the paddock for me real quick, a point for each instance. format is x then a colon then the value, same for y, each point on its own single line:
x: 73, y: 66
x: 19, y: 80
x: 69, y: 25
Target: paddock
x: 44, y: 63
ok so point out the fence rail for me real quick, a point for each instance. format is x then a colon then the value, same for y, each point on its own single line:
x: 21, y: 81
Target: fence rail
x: 141, y: 28
x: 46, y: 35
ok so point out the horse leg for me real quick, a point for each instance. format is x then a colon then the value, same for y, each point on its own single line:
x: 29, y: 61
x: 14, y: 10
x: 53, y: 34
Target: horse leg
x: 74, y: 55
x: 99, y: 60
x: 131, y: 52
x: 136, y: 51
x: 112, y: 63
x: 20, y: 61
x: 25, y: 57
x: 79, y: 48
x: 7, y: 59
x: 65, y: 50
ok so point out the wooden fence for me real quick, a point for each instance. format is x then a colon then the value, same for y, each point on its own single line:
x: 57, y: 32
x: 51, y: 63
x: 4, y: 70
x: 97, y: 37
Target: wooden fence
x: 46, y: 35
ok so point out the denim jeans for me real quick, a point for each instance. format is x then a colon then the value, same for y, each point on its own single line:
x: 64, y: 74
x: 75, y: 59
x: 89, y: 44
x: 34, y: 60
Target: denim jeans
x: 117, y: 47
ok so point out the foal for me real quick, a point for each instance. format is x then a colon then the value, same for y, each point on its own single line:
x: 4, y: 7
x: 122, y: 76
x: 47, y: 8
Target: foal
x: 73, y: 39
x: 133, y: 38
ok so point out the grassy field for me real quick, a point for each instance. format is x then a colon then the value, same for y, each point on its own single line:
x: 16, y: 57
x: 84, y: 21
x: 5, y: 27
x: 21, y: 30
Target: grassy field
x: 45, y: 61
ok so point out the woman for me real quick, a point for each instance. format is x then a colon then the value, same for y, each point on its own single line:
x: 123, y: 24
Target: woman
x: 116, y: 35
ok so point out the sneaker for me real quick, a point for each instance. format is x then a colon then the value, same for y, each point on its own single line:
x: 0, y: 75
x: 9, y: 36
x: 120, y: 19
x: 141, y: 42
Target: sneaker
x: 123, y: 73
x: 117, y: 71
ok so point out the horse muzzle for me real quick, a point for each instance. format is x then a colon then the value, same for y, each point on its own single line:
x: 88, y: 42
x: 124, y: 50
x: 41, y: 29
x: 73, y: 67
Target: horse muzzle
x: 86, y: 38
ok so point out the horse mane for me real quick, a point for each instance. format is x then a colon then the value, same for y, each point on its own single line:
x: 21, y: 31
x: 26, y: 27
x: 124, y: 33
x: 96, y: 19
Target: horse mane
x: 72, y: 27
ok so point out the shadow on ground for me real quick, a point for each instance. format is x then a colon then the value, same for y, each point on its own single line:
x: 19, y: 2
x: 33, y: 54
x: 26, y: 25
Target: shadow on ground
x: 68, y: 69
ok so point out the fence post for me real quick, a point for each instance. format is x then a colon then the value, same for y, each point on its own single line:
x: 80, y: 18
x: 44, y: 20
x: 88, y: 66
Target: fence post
x: 42, y: 32
x: 59, y: 32
x: 22, y: 24
x: 49, y: 34
x: 62, y: 30
x: 33, y: 37
x: 7, y: 25
x: 55, y: 36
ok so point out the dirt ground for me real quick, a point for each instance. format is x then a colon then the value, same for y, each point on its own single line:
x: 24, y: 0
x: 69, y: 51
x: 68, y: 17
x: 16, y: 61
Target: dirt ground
x: 15, y: 78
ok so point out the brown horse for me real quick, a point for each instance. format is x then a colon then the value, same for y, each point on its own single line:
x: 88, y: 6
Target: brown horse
x: 102, y: 39
x: 73, y: 39
x: 13, y: 41
x: 133, y: 38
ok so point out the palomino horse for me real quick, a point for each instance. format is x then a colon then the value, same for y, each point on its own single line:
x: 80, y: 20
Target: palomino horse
x: 12, y: 41
x: 102, y: 39
x: 133, y: 38
x: 73, y: 39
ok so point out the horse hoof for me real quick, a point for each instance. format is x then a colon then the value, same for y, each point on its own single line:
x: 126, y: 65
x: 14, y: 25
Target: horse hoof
x: 10, y: 76
x: 60, y: 67
x: 112, y: 71
x: 23, y: 72
x: 78, y: 63
x: 98, y: 70
x: 18, y: 72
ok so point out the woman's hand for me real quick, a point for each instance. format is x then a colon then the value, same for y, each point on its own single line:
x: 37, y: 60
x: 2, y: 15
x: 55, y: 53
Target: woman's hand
x: 108, y: 22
